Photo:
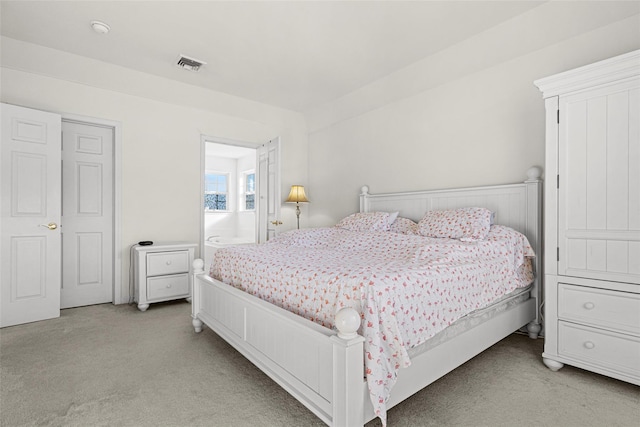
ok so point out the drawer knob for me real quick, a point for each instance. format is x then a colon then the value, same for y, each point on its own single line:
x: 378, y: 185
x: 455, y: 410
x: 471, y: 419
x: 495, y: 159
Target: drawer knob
x: 169, y: 285
x: 589, y: 345
x: 589, y: 305
x: 169, y: 262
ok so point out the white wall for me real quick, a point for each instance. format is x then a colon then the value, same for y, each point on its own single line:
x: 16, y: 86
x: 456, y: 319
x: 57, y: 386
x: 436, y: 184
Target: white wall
x: 468, y: 116
x: 161, y: 127
x: 477, y: 128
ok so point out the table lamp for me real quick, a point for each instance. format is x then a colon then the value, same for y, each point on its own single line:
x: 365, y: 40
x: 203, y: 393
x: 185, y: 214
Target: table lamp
x: 297, y: 196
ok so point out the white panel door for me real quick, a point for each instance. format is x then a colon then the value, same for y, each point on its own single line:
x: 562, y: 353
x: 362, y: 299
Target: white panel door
x: 87, y: 214
x: 599, y: 183
x: 30, y: 215
x: 268, y: 190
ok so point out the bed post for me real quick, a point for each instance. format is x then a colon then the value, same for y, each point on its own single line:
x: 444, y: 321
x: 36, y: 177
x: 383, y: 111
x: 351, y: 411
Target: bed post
x: 534, y: 234
x: 364, y: 203
x: 198, y: 268
x: 348, y: 370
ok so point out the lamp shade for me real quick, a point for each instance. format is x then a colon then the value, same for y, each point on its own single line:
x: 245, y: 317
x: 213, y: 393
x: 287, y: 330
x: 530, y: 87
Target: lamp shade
x: 296, y: 195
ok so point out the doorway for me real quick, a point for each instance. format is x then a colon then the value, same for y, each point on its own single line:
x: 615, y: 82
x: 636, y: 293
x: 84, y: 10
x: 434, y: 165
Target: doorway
x: 229, y: 196
x: 240, y: 193
x: 230, y: 192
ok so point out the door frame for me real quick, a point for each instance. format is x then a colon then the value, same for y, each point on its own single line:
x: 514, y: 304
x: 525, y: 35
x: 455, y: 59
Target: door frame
x: 264, y: 217
x: 119, y: 295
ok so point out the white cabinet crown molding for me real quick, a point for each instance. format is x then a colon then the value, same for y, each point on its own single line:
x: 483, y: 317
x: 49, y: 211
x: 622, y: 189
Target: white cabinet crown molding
x: 612, y: 69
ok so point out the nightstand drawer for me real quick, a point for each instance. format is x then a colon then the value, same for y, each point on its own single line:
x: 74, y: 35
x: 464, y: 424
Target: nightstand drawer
x: 598, y: 347
x: 614, y: 310
x: 160, y: 263
x: 167, y: 286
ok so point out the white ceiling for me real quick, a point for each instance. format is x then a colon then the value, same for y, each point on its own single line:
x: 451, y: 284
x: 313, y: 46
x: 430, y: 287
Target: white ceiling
x: 292, y: 54
x: 229, y: 150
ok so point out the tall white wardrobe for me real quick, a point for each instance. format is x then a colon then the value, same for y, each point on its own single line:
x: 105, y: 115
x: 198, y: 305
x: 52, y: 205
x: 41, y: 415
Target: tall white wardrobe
x: 592, y: 218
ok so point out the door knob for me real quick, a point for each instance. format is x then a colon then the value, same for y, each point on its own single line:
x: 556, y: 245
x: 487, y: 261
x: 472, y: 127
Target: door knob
x: 50, y: 226
x: 276, y: 222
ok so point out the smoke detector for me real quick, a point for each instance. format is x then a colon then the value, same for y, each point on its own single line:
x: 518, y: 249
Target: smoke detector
x: 190, y: 64
x: 100, y: 27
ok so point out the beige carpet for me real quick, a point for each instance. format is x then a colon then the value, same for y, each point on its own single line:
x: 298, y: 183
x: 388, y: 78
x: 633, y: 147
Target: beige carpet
x: 111, y: 365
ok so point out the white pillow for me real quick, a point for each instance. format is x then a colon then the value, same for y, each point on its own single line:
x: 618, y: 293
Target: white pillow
x: 393, y: 216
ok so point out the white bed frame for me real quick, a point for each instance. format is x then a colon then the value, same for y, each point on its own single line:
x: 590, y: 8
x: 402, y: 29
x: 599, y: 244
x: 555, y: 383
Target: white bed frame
x: 323, y: 368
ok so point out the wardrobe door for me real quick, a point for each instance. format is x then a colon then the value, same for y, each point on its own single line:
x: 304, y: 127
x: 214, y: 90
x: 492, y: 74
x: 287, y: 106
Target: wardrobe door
x: 599, y: 183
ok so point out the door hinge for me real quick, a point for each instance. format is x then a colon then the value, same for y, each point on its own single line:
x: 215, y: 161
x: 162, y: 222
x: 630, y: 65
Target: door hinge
x: 558, y: 253
x: 558, y: 116
x: 558, y: 181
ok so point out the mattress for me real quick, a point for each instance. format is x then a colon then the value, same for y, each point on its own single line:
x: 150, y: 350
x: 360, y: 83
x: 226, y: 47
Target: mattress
x: 473, y: 319
x: 408, y: 288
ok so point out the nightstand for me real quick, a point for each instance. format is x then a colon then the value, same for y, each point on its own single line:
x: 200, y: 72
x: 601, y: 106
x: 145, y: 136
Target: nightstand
x: 162, y: 272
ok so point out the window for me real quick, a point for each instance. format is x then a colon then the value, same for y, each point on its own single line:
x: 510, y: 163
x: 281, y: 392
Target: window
x: 250, y: 191
x: 216, y: 189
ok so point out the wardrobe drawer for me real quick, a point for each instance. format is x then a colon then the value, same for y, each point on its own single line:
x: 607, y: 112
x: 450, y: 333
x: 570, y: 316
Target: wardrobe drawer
x: 167, y: 286
x: 619, y: 311
x: 159, y: 263
x: 597, y: 347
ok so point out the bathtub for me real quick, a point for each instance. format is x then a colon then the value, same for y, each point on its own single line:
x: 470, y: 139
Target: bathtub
x: 223, y: 242
x: 215, y: 243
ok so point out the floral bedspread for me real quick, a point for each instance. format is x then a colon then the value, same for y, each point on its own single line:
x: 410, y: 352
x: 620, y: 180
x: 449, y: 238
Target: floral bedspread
x: 406, y: 287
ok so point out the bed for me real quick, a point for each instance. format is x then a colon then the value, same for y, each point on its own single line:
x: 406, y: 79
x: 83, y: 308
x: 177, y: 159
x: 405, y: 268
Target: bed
x: 323, y: 367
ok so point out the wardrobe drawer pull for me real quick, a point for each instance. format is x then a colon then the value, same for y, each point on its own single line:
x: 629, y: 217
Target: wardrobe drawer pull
x: 589, y: 345
x: 589, y: 305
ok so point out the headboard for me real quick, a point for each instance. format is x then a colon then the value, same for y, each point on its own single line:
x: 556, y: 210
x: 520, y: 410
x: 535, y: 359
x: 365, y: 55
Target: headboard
x: 518, y: 206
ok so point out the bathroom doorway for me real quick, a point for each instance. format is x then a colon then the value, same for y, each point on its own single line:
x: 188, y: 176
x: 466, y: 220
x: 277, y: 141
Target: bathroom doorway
x: 240, y: 195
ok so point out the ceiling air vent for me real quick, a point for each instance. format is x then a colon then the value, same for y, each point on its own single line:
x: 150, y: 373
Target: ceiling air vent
x: 190, y: 64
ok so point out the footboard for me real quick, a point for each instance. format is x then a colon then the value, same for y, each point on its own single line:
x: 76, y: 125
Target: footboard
x: 319, y: 367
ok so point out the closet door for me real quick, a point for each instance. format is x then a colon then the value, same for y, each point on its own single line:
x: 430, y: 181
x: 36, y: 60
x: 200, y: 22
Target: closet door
x: 599, y: 183
x: 87, y: 214
x: 30, y: 216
